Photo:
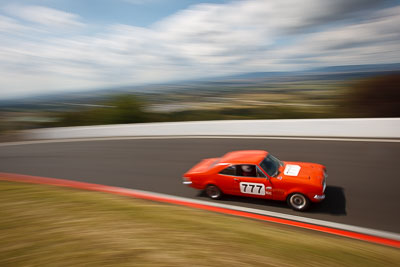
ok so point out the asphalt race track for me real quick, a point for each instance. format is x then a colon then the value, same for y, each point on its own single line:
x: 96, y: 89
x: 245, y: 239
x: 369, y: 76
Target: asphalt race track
x: 363, y: 183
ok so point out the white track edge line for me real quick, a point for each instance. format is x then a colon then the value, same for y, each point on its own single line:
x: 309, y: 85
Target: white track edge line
x: 352, y: 228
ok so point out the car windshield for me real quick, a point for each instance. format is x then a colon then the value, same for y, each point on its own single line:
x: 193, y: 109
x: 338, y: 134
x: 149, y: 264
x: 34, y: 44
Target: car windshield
x: 271, y: 165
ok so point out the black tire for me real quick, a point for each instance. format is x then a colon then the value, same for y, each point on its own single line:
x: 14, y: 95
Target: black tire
x: 213, y: 192
x: 298, y: 202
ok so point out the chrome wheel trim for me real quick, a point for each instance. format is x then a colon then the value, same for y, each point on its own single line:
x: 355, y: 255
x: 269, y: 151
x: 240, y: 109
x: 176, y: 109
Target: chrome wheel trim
x: 298, y: 201
x: 213, y: 191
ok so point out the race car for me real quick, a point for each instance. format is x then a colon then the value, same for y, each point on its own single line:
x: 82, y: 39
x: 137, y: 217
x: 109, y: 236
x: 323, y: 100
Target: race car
x: 257, y: 173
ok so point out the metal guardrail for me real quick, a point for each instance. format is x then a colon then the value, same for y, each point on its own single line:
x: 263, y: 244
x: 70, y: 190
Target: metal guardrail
x: 355, y: 128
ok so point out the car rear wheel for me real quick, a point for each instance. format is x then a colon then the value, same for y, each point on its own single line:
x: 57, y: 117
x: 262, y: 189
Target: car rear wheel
x: 298, y: 201
x: 213, y: 191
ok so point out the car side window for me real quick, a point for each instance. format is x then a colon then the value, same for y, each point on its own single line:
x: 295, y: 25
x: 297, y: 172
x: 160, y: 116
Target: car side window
x: 246, y: 170
x: 230, y: 170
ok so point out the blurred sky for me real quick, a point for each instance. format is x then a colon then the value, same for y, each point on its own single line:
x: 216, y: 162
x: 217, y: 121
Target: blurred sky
x: 68, y: 45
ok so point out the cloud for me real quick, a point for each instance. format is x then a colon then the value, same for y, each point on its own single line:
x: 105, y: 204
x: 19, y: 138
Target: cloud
x: 9, y: 25
x: 374, y: 40
x: 45, y: 16
x: 255, y: 35
x: 201, y: 41
x: 141, y: 2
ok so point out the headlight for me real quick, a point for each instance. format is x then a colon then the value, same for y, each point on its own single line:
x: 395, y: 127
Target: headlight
x: 324, y: 180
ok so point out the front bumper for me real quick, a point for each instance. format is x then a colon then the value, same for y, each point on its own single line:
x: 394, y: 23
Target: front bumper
x: 319, y: 197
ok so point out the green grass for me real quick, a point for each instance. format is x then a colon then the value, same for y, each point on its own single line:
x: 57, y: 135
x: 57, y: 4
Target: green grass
x: 50, y: 226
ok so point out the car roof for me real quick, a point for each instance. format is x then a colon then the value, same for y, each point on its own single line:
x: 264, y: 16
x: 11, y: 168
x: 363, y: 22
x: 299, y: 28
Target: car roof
x: 244, y: 156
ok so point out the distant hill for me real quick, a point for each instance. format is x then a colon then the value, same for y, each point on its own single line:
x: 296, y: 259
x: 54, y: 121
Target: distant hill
x: 240, y: 80
x: 323, y: 70
x: 360, y: 68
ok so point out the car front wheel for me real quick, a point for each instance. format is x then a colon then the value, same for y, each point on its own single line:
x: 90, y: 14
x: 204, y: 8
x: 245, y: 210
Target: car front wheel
x: 298, y: 202
x: 213, y: 191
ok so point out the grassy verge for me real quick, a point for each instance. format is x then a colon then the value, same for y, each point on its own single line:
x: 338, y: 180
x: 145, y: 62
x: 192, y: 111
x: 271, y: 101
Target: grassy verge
x: 51, y: 226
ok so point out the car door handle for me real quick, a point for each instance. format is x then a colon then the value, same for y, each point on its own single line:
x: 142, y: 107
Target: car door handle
x: 236, y: 179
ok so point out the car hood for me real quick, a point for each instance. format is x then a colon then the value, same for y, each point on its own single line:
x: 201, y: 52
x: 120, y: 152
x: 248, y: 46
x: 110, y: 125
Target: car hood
x: 301, y: 170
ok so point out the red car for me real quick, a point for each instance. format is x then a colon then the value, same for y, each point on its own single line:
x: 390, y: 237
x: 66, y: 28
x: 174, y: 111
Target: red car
x: 256, y: 173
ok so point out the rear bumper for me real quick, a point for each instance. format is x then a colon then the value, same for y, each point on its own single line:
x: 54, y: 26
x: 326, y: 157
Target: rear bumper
x: 186, y: 180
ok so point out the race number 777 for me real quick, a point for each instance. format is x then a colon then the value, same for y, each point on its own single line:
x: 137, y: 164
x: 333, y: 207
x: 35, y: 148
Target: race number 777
x: 252, y: 188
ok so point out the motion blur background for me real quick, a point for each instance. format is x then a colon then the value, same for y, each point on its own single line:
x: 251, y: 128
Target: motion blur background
x: 67, y: 62
x: 95, y: 62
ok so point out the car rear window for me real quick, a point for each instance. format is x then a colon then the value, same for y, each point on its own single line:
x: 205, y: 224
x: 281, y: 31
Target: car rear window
x: 230, y: 170
x: 215, y: 162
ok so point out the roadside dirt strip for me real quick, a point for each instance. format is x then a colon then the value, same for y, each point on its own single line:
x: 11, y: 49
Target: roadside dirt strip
x: 365, y: 234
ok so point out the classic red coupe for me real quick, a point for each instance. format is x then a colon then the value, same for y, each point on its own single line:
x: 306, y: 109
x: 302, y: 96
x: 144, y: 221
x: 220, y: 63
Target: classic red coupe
x: 256, y: 173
